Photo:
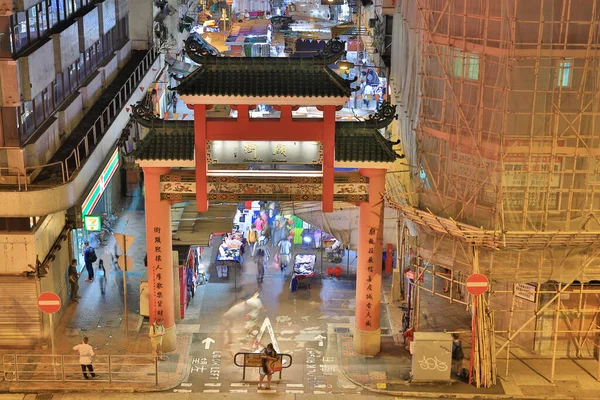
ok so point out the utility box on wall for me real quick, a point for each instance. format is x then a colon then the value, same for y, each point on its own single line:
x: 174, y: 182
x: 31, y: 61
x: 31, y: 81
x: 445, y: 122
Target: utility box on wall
x: 432, y: 357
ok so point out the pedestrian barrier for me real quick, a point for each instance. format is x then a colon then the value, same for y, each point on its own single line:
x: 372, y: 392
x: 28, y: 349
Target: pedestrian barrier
x: 60, y: 368
x: 253, y: 360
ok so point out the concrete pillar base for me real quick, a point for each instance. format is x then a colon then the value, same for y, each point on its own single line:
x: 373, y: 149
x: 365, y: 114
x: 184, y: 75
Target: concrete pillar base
x: 169, y: 342
x: 367, y: 343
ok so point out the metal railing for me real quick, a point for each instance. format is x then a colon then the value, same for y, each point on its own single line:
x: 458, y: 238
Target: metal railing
x: 60, y: 368
x: 17, y: 173
x: 253, y: 360
x: 73, y: 162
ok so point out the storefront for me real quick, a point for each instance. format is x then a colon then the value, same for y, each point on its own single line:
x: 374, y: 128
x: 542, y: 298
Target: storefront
x: 103, y: 197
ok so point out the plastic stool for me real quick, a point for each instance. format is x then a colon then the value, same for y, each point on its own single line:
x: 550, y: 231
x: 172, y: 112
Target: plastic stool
x: 329, y: 271
x: 337, y: 271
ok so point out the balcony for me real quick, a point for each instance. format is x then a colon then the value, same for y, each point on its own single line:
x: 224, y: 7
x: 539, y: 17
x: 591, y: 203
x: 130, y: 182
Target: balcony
x: 72, y: 159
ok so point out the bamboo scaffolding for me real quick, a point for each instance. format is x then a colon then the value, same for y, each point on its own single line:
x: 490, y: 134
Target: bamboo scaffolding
x: 519, y: 109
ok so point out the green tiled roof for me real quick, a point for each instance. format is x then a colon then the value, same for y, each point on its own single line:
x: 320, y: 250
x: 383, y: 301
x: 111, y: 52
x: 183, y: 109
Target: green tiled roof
x: 365, y: 146
x: 171, y: 145
x: 264, y: 78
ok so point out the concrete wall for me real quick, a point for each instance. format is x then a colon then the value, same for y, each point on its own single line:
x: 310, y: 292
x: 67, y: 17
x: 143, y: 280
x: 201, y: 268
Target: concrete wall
x: 16, y: 251
x: 92, y: 90
x: 37, y: 70
x: 141, y: 19
x: 89, y: 30
x: 66, y: 47
x: 40, y: 151
x: 121, y: 8
x: 9, y: 83
x: 109, y: 70
x: 70, y: 113
x: 123, y: 53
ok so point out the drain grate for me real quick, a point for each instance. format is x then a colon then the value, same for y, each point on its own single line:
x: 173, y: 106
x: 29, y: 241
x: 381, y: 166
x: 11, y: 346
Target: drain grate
x: 385, y: 331
x: 44, y: 396
x: 342, y: 330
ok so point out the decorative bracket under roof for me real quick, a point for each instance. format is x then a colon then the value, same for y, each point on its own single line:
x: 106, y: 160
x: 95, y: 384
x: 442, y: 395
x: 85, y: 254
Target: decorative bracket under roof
x: 382, y: 117
x: 144, y: 115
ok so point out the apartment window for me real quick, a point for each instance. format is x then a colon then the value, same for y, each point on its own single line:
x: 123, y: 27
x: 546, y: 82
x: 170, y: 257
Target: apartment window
x: 565, y: 72
x: 52, y: 12
x: 27, y: 124
x: 19, y: 29
x: 465, y: 65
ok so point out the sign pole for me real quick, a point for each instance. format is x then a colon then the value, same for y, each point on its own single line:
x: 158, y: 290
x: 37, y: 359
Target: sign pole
x: 125, y: 289
x: 52, y: 343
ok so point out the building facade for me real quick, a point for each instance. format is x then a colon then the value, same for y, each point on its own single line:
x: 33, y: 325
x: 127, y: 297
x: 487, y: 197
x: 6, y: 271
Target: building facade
x: 499, y: 116
x: 68, y: 71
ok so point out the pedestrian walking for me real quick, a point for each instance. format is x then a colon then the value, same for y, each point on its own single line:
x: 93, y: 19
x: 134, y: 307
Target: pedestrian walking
x: 252, y: 239
x: 174, y: 102
x: 268, y: 356
x: 89, y: 257
x: 457, y: 355
x: 86, y: 352
x: 74, y: 280
x: 261, y: 259
x: 102, y: 277
x: 156, y: 333
x: 285, y: 251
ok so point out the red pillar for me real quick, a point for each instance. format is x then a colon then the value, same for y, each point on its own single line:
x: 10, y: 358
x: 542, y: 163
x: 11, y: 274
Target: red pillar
x: 200, y: 156
x: 328, y: 157
x: 367, y: 334
x: 159, y: 251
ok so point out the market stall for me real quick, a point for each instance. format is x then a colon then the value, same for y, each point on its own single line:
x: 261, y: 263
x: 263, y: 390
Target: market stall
x: 230, y: 253
x: 304, y: 271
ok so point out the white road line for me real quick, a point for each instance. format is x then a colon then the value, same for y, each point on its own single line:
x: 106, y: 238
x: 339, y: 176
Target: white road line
x: 182, y: 390
x: 212, y: 384
x: 320, y: 387
x: 319, y: 392
x: 186, y: 384
x: 266, y: 391
x: 348, y: 386
x: 295, y: 385
x: 294, y: 391
x: 210, y: 391
x: 238, y: 391
x: 239, y: 384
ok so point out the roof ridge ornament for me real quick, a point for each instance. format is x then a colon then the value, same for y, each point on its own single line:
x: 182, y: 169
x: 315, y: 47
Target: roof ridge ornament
x: 332, y: 52
x: 143, y: 115
x: 199, y: 49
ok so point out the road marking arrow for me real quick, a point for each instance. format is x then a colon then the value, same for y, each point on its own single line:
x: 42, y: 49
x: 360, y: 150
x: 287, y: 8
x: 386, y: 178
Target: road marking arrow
x: 207, y: 342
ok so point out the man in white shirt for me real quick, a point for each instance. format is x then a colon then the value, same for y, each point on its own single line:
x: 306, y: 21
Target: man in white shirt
x: 285, y: 251
x: 86, y: 352
x: 156, y: 333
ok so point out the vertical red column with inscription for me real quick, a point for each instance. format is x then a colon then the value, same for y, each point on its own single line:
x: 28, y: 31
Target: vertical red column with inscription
x: 200, y: 157
x: 160, y: 258
x: 367, y: 333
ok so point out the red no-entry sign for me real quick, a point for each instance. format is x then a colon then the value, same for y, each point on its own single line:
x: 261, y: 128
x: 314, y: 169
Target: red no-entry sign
x: 49, y: 302
x: 477, y: 284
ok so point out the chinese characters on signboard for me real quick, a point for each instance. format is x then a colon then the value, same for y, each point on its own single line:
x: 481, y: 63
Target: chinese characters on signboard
x: 371, y: 270
x: 157, y: 272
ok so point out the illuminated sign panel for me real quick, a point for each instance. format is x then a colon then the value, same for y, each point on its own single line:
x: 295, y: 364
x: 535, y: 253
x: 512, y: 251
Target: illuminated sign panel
x: 264, y: 152
x: 92, y: 223
x: 92, y: 199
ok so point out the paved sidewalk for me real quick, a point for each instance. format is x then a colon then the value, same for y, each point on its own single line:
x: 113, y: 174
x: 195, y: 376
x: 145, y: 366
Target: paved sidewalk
x: 100, y: 317
x: 389, y: 372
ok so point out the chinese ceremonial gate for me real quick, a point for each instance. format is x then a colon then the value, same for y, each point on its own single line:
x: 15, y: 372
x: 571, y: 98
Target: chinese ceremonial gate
x: 301, y: 153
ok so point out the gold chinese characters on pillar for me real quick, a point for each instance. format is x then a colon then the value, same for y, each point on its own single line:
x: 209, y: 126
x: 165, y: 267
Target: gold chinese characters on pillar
x: 371, y: 270
x: 157, y: 271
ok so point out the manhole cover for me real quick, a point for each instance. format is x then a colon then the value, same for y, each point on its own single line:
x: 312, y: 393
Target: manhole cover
x: 44, y: 396
x: 342, y: 330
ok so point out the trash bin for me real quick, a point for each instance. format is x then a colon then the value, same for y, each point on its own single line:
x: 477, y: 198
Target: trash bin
x: 432, y: 357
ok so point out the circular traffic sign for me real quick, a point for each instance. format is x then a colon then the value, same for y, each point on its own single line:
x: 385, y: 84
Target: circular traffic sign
x: 49, y: 302
x: 477, y: 284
